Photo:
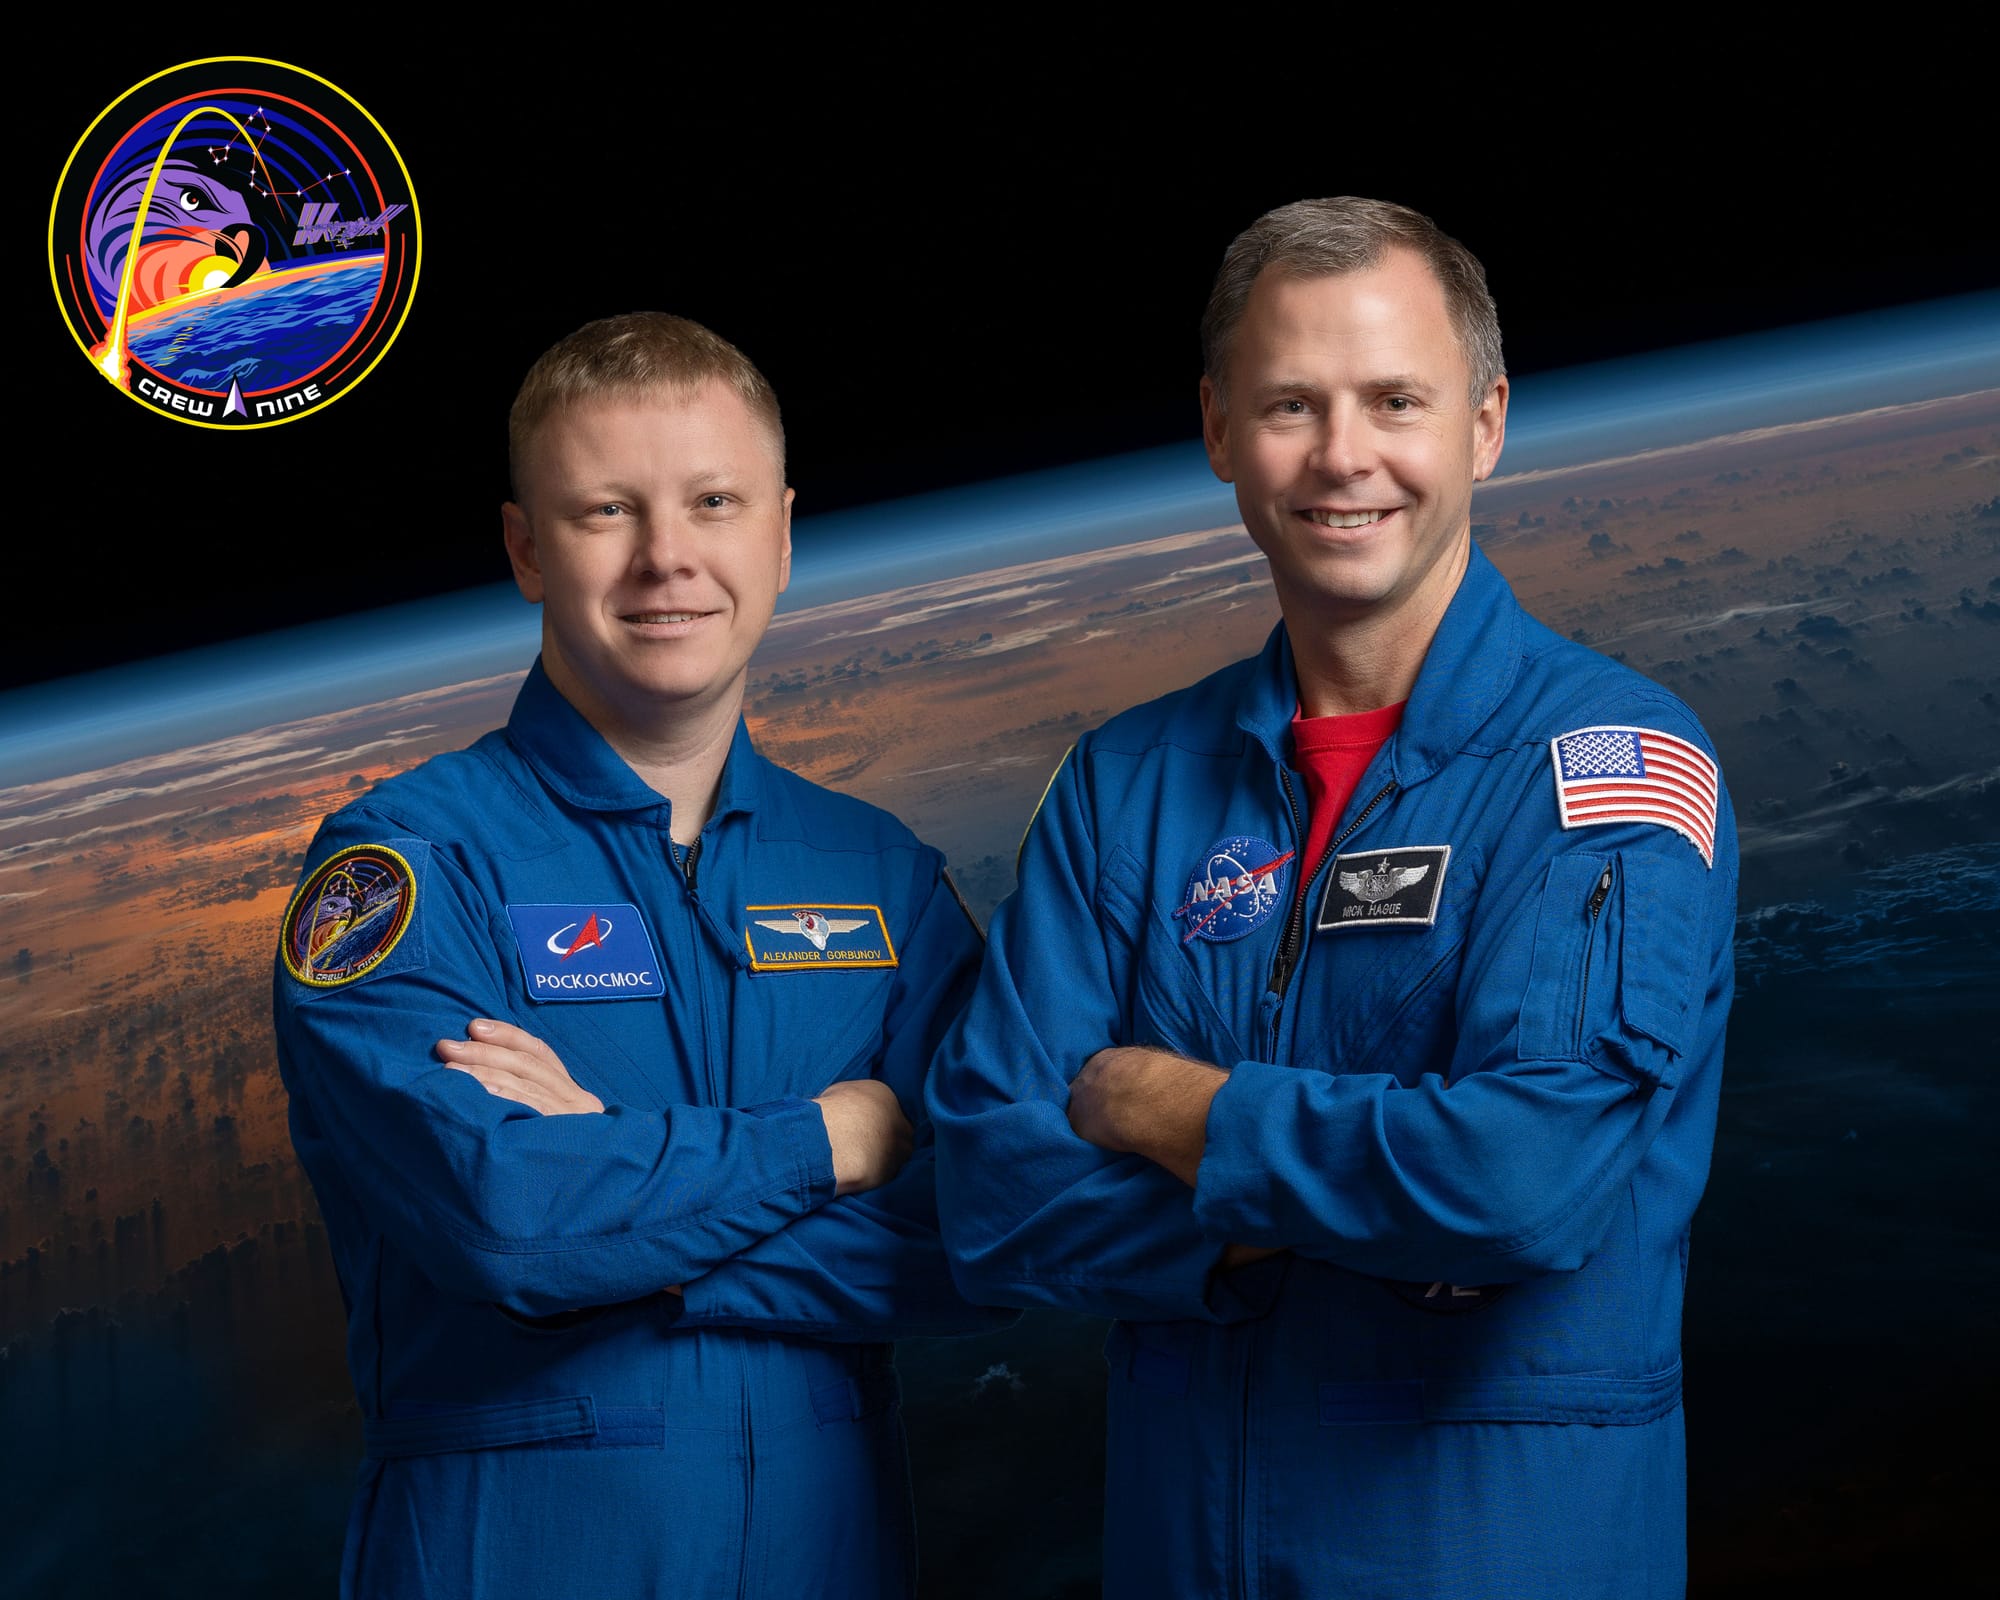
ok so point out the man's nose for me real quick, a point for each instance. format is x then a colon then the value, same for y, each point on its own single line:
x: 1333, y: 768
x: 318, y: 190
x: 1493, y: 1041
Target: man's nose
x: 1341, y: 448
x: 662, y: 546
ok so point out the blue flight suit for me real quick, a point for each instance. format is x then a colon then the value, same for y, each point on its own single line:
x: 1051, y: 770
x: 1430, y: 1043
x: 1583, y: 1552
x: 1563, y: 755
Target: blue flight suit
x: 540, y: 1417
x: 1480, y: 1138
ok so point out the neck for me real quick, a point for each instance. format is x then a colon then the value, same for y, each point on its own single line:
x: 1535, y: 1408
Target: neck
x: 678, y: 749
x: 1362, y: 661
x: 683, y: 763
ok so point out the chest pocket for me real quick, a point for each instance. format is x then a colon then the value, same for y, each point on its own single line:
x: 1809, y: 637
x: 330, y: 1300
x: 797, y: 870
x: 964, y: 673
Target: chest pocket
x: 797, y: 1032
x: 1166, y: 1000
x: 1381, y: 999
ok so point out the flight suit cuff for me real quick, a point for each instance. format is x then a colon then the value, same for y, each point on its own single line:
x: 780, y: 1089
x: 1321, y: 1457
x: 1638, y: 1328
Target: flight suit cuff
x: 1235, y: 1195
x: 803, y: 1127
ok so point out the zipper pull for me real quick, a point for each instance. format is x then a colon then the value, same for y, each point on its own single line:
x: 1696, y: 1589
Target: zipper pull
x: 694, y: 855
x: 1598, y: 895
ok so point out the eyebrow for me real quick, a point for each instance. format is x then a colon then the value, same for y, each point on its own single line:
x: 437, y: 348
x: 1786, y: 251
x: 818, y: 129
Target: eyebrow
x: 1400, y: 383
x: 1388, y: 383
x: 615, y: 487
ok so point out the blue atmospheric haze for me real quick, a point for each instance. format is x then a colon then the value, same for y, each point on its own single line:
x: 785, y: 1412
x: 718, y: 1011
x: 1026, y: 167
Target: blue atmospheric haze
x: 1579, y: 414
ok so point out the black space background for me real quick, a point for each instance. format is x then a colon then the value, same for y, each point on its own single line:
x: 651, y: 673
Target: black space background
x: 956, y: 254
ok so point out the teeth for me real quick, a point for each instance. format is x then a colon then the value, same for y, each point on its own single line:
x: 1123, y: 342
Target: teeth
x: 1346, y: 519
x: 664, y: 616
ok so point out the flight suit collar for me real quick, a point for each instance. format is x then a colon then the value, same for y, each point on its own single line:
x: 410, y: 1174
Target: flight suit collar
x: 1473, y: 661
x: 577, y: 763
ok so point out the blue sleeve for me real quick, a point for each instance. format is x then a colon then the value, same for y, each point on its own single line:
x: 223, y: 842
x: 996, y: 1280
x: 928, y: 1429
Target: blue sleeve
x: 871, y: 1266
x: 492, y: 1200
x: 1580, y: 1030
x: 1034, y: 1215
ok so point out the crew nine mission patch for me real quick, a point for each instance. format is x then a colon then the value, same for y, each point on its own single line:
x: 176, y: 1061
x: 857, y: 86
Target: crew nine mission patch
x: 234, y: 243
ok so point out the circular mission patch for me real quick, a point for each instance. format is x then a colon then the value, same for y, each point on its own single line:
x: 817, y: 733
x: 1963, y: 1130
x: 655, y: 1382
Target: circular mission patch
x: 234, y: 243
x: 1235, y: 888
x: 348, y: 915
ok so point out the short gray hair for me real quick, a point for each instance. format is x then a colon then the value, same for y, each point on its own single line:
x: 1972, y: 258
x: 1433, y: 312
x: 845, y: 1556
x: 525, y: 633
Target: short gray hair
x: 1324, y: 238
x: 640, y: 353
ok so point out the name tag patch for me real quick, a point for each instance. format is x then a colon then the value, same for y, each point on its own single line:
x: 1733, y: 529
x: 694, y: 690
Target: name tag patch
x: 1385, y: 888
x: 816, y: 935
x: 600, y: 951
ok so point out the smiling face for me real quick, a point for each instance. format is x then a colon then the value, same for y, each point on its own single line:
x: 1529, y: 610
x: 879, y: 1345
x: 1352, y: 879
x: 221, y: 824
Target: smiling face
x: 1353, y: 445
x: 655, y: 531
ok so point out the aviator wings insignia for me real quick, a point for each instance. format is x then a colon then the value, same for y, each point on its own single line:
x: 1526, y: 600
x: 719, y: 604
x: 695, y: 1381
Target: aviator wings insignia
x: 1378, y: 883
x: 812, y: 925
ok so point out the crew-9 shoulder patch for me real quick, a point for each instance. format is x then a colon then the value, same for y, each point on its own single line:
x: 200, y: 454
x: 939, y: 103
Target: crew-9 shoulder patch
x: 1613, y: 773
x: 353, y: 912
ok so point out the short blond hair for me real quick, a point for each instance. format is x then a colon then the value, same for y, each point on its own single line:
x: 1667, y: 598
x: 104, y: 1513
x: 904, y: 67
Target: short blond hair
x: 641, y: 352
x: 1325, y: 238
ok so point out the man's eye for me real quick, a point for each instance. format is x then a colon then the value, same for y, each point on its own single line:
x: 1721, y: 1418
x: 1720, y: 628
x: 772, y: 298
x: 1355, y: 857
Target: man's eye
x: 610, y: 509
x: 714, y: 502
x: 1399, y: 402
x: 1292, y: 408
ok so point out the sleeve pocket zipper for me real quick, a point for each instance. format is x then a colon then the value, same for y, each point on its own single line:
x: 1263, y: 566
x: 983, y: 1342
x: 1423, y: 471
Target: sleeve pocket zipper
x: 1596, y: 905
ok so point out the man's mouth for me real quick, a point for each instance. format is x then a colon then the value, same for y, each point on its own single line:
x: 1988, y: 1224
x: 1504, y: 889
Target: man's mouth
x: 1346, y: 519
x: 664, y: 616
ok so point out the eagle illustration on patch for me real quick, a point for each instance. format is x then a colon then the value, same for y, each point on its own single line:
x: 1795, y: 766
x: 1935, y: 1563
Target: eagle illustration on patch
x: 794, y: 938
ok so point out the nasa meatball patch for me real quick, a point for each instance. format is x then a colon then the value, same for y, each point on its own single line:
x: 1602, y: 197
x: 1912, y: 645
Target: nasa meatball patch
x: 810, y: 937
x: 1384, y: 888
x: 599, y: 951
x: 350, y: 913
x: 1235, y: 888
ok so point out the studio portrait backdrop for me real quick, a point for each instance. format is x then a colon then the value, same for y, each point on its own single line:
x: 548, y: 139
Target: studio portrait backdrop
x: 1753, y: 451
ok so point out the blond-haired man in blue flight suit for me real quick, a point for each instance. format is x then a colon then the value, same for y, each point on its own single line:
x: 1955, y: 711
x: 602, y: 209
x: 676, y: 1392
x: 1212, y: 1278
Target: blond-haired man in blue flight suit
x: 1355, y: 1033
x: 606, y: 1040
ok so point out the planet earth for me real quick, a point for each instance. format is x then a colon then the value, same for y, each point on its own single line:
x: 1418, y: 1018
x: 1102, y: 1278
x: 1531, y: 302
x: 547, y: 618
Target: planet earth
x: 1824, y: 593
x: 274, y: 330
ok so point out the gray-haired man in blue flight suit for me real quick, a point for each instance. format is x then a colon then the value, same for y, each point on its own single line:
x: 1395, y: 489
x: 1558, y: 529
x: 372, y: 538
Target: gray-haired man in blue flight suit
x: 1355, y: 1034
x: 606, y: 1041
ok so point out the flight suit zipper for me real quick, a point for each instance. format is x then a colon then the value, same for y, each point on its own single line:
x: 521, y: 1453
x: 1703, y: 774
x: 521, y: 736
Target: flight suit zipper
x: 687, y: 861
x: 1289, y: 947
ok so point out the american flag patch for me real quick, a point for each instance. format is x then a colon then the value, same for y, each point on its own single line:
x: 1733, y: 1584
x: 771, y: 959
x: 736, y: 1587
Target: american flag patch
x: 1636, y: 775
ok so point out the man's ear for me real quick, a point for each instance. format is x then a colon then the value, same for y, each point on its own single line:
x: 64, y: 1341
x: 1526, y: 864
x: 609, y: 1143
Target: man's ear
x: 1215, y: 431
x: 785, y: 532
x: 521, y: 551
x: 1489, y: 431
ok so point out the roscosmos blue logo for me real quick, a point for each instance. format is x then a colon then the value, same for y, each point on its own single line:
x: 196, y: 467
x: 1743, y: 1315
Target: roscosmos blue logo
x: 586, y: 952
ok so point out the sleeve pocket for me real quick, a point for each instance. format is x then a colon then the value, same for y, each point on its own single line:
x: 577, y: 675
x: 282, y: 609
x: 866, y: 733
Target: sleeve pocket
x: 1565, y: 931
x: 1658, y: 986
